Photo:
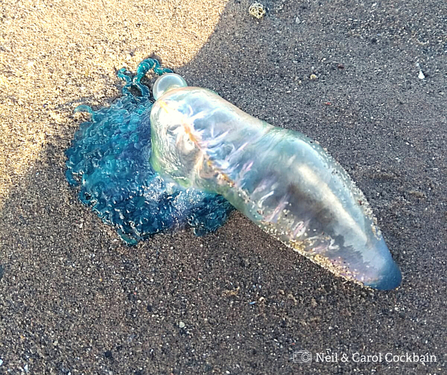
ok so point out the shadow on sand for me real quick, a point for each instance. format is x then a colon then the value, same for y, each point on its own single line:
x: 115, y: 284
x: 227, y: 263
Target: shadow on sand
x: 76, y: 299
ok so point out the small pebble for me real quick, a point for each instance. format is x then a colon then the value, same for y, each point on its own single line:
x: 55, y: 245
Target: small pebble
x: 181, y: 325
x: 421, y: 74
x: 313, y: 77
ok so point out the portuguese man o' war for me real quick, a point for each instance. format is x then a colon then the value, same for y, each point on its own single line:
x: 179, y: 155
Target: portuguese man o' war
x: 204, y: 152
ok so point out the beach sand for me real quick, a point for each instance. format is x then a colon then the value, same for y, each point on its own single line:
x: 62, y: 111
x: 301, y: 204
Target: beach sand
x: 365, y: 79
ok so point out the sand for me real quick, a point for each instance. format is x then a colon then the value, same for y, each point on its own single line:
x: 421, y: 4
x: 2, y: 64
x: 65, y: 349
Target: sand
x: 366, y: 79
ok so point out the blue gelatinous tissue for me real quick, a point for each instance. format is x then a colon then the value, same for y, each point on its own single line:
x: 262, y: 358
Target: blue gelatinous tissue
x: 109, y: 160
x: 281, y: 180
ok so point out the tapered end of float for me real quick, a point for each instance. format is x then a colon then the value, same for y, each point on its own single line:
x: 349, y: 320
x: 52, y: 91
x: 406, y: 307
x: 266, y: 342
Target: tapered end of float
x: 390, y: 278
x: 373, y: 266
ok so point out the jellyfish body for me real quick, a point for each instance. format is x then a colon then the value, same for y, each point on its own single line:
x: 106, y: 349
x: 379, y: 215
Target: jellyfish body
x: 281, y: 180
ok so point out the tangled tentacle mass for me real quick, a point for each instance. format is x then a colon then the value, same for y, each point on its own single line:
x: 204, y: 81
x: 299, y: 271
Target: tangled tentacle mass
x: 109, y: 161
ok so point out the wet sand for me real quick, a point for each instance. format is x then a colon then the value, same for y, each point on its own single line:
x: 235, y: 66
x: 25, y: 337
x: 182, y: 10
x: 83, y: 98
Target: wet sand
x: 75, y: 300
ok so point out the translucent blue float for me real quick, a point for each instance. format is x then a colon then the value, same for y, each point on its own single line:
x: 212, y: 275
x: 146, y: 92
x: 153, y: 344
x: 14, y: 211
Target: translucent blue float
x: 204, y: 149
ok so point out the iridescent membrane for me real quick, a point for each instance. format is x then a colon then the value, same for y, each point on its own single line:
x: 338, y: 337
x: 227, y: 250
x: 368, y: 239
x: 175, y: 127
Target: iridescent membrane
x: 109, y: 161
x: 283, y: 181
